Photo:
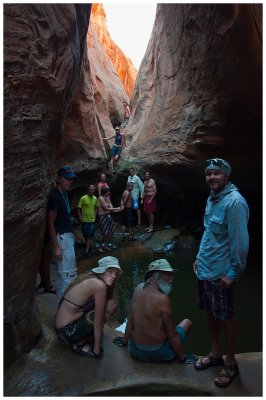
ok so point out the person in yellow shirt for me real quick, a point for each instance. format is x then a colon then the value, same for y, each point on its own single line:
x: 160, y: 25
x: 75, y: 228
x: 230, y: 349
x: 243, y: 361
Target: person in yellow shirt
x: 87, y: 209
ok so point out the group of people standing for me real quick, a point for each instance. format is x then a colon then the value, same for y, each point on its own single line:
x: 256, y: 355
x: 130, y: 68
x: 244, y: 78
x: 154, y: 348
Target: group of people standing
x: 90, y: 207
x: 150, y: 333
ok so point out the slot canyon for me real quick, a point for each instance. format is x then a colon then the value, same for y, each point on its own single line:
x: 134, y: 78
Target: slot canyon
x: 196, y: 95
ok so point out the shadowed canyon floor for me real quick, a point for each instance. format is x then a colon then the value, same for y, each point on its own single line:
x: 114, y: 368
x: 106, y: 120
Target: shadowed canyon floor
x: 52, y: 369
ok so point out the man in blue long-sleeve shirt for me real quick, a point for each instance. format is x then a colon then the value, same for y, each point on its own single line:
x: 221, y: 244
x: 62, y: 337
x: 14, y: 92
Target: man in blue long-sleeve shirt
x: 219, y: 263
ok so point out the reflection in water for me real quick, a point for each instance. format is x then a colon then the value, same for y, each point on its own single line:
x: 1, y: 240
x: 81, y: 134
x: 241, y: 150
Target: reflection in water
x: 134, y: 261
x: 135, y: 267
x: 136, y: 279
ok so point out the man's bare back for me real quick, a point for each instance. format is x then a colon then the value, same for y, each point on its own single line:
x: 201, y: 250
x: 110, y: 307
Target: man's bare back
x: 127, y: 200
x: 151, y: 308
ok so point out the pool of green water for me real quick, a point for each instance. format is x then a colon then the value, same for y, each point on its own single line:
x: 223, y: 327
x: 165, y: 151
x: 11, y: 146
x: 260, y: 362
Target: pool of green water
x: 134, y: 261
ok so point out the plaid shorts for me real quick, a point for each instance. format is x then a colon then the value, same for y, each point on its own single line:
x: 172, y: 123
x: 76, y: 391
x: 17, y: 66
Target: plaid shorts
x: 218, y: 299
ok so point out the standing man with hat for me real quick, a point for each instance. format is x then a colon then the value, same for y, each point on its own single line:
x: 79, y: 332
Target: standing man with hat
x: 117, y: 147
x: 60, y: 228
x: 150, y: 333
x: 219, y: 263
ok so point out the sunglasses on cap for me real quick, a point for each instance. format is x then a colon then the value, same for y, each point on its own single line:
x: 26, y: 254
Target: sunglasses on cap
x: 68, y: 170
x: 215, y: 161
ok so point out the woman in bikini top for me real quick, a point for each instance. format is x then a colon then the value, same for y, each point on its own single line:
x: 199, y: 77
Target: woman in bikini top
x: 91, y: 292
x: 85, y: 308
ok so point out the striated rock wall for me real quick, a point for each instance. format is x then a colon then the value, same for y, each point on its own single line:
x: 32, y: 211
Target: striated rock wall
x: 198, y: 93
x: 109, y: 92
x: 123, y: 65
x: 43, y: 54
x: 96, y: 109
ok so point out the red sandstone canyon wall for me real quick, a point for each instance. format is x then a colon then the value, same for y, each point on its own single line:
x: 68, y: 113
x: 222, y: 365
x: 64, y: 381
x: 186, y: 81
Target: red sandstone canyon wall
x: 198, y: 93
x: 43, y: 55
x: 96, y: 109
x: 123, y: 65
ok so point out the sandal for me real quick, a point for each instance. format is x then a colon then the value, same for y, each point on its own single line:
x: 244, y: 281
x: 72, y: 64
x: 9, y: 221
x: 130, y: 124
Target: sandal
x: 106, y: 248
x: 87, y: 353
x: 229, y: 372
x: 213, y: 361
x: 50, y: 289
x: 79, y: 347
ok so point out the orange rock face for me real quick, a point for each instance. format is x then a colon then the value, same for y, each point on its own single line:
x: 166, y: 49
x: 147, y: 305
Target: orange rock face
x: 97, y: 108
x: 123, y: 65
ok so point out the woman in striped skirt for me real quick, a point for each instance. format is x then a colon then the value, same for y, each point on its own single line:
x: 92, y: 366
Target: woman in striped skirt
x: 106, y: 223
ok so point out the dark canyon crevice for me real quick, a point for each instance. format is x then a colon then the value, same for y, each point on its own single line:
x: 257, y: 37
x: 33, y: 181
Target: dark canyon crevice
x: 198, y: 94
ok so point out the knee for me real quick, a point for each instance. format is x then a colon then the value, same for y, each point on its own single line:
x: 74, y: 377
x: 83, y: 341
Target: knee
x: 187, y: 324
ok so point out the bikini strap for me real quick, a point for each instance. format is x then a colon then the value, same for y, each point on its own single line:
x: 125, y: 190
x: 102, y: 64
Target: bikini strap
x: 63, y: 298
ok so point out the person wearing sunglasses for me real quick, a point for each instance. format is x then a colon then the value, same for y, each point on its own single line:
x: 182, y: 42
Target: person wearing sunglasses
x: 219, y: 263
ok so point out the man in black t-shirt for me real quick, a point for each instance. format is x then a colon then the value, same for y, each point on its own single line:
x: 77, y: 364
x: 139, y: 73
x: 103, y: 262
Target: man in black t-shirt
x: 60, y: 229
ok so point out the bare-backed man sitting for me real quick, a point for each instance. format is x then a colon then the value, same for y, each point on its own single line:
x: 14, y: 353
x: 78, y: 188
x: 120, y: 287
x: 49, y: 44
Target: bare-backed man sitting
x: 150, y: 332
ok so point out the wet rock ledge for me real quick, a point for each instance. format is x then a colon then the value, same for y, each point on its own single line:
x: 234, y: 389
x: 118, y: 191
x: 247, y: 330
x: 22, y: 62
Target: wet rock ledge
x: 51, y: 369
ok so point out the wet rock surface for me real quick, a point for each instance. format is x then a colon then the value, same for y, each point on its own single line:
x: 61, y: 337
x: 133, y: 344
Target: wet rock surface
x: 52, y: 369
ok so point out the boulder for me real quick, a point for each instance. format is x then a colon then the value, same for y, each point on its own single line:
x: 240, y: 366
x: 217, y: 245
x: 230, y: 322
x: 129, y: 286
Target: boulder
x: 159, y: 239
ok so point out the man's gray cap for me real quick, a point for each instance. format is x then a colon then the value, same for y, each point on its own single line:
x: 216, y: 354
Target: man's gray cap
x: 158, y: 265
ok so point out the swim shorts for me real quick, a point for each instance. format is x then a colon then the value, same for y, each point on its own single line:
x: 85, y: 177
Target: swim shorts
x: 160, y: 353
x: 88, y: 229
x: 218, y: 299
x: 149, y: 207
x: 79, y: 330
x: 128, y: 218
x: 116, y: 151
